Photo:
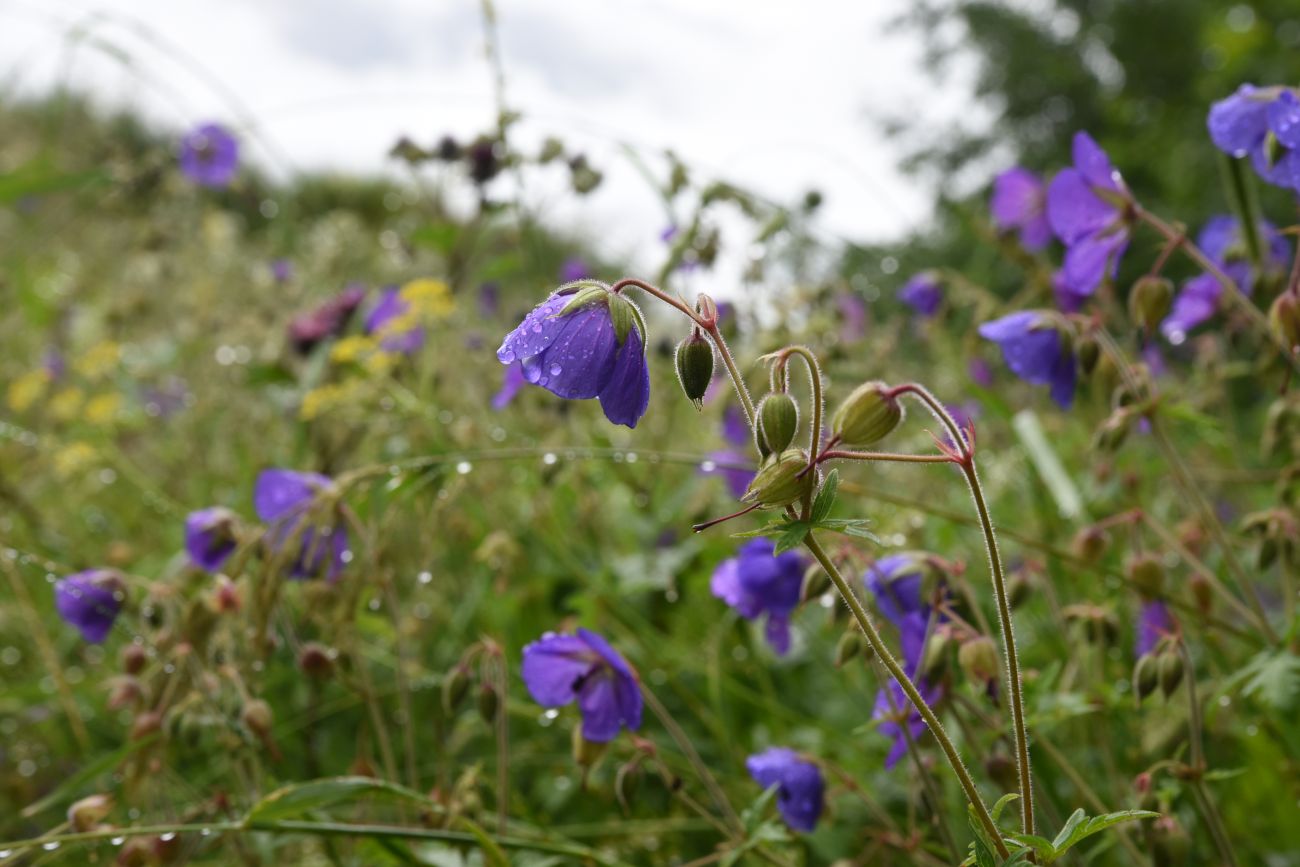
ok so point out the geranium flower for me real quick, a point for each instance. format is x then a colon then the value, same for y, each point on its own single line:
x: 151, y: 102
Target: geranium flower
x: 326, y: 321
x: 1019, y: 203
x: 285, y: 501
x: 800, y: 789
x: 923, y: 293
x: 209, y: 155
x: 1036, y: 349
x: 1154, y: 623
x: 1089, y: 209
x: 758, y: 582
x: 561, y: 669
x: 90, y: 601
x: 1264, y: 124
x: 210, y: 537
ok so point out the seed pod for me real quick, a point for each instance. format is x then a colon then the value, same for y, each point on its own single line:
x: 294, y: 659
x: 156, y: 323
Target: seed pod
x: 1090, y: 544
x: 781, y: 480
x: 815, y: 583
x: 1088, y: 351
x: 1284, y: 316
x: 695, y: 366
x: 455, y: 686
x: 86, y: 814
x: 978, y: 658
x: 257, y: 716
x: 1149, y: 300
x: 316, y: 660
x: 850, y: 645
x: 778, y: 421
x: 1147, y: 574
x: 586, y: 753
x: 868, y: 415
x: 488, y: 703
x: 146, y: 724
x: 133, y: 658
x: 935, y: 658
x: 1146, y: 676
x: 1171, y: 672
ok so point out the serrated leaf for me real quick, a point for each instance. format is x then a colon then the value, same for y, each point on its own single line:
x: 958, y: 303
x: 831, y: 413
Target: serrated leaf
x: 825, y: 501
x: 298, y: 798
x: 792, y: 537
x: 1274, y: 678
x: 1082, y: 830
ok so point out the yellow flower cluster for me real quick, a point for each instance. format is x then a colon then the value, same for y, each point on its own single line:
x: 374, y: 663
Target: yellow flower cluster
x: 28, y: 388
x: 326, y: 398
x: 99, y: 360
x: 73, y: 459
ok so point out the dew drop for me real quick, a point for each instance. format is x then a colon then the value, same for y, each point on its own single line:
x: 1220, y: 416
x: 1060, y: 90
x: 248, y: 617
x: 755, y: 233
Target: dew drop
x: 464, y: 467
x: 168, y: 837
x: 556, y: 370
x: 117, y: 841
x: 424, y: 577
x: 50, y: 846
x: 506, y: 356
x: 549, y: 458
x: 708, y: 466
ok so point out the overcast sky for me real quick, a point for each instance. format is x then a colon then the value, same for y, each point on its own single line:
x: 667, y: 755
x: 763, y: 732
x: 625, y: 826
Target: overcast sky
x: 774, y: 96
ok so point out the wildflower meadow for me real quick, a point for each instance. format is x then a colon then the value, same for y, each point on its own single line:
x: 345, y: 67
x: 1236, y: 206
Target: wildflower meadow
x: 371, y: 519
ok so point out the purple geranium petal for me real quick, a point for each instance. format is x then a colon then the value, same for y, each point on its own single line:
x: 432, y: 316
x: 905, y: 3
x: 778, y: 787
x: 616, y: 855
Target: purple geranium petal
x: 1093, y: 164
x: 210, y: 537
x: 559, y: 669
x: 923, y: 293
x: 626, y: 396
x: 758, y: 581
x: 1019, y: 201
x: 1091, y: 260
x: 511, y: 383
x: 1154, y: 622
x: 1238, y: 124
x: 209, y: 155
x: 391, y: 306
x: 90, y: 601
x: 1074, y: 210
x: 735, y: 468
x: 573, y: 269
x: 800, y: 793
x: 1284, y: 119
x: 283, y: 499
x: 1034, y: 351
x: 895, y: 581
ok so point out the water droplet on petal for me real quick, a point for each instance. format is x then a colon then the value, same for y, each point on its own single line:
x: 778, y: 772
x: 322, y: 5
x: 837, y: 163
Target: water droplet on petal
x: 556, y: 370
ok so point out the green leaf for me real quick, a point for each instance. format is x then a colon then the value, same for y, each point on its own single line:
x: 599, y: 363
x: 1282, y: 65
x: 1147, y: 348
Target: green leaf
x: 493, y: 855
x: 1083, y: 829
x: 1218, y: 774
x: 773, y: 529
x: 825, y: 501
x: 298, y: 799
x: 1001, y: 805
x: 1274, y: 678
x: 1076, y: 819
x: 1041, y: 846
x: 792, y: 537
x: 623, y: 315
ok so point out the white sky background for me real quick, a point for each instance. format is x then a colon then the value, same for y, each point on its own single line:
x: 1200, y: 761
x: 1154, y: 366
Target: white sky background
x: 775, y: 97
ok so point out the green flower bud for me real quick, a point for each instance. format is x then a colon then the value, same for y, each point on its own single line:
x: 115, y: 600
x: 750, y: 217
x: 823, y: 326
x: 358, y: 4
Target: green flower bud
x: 1171, y: 672
x: 1090, y: 544
x: 850, y: 645
x: 815, y: 583
x: 86, y: 814
x: 1088, y: 351
x: 867, y: 416
x: 586, y: 753
x: 778, y: 421
x: 455, y: 686
x: 978, y: 658
x: 935, y: 657
x: 1149, y: 300
x: 488, y: 703
x: 781, y: 480
x: 695, y: 366
x: 1147, y: 574
x: 1146, y: 676
x: 1284, y: 316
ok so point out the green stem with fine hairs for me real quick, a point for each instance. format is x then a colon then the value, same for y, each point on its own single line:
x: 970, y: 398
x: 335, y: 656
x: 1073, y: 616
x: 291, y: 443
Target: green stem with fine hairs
x: 1014, y: 686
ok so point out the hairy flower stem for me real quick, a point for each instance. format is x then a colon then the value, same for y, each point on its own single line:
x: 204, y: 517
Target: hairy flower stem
x: 1234, y: 292
x: 913, y: 694
x: 815, y: 378
x: 1204, y: 800
x: 967, y: 466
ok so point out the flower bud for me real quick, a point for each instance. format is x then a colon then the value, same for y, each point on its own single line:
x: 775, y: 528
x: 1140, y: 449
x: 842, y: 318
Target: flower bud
x: 867, y: 416
x: 778, y: 421
x: 146, y: 724
x: 257, y: 716
x: 455, y: 686
x: 1147, y: 574
x: 1088, y: 351
x: 225, y: 597
x: 978, y: 658
x: 1146, y: 676
x: 124, y: 692
x: 488, y: 703
x: 1202, y: 592
x: 850, y: 645
x: 86, y: 814
x: 134, y: 658
x: 935, y: 657
x: 316, y: 660
x: 815, y: 583
x: 695, y: 366
x: 1284, y: 316
x: 1113, y: 431
x: 1020, y: 586
x: 1171, y: 672
x: 586, y: 753
x: 1090, y: 544
x: 781, y: 480
x: 1149, y: 300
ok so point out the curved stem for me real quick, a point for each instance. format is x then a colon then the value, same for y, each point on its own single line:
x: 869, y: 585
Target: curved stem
x: 883, y: 456
x: 701, y: 769
x: 746, y: 402
x: 814, y: 377
x: 909, y: 689
x: 967, y: 465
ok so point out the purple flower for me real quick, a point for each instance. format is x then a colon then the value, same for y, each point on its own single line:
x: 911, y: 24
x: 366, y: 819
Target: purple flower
x: 1036, y: 350
x: 511, y: 383
x: 90, y: 601
x: 980, y: 372
x: 1247, y: 122
x: 209, y: 155
x: 1019, y: 203
x: 800, y: 788
x: 558, y: 669
x: 573, y: 269
x: 282, y: 270
x: 1067, y: 300
x: 757, y: 581
x: 1222, y: 240
x: 736, y: 469
x: 898, y: 592
x: 895, y: 710
x: 285, y: 501
x: 1154, y: 623
x: 489, y: 300
x: 923, y: 293
x: 735, y: 429
x: 384, y: 318
x: 853, y: 316
x: 326, y: 321
x: 895, y: 581
x: 210, y: 536
x: 577, y: 353
x: 1088, y: 207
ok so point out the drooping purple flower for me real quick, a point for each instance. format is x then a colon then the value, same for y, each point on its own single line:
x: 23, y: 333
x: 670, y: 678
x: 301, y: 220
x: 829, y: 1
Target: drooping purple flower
x: 489, y: 299
x: 1067, y: 300
x: 1036, y: 350
x: 574, y: 268
x: 735, y: 429
x: 511, y: 383
x: 282, y: 270
x: 328, y: 320
x: 560, y: 669
x: 853, y: 316
x: 210, y: 536
x: 391, y: 307
x: 209, y: 155
x: 923, y: 293
x: 90, y: 601
x: 1019, y: 203
x: 1088, y: 207
x: 897, y: 583
x: 980, y: 372
x: 577, y: 353
x: 735, y: 468
x: 285, y: 501
x: 1154, y: 623
x: 895, y: 710
x: 758, y: 581
x: 1223, y: 241
x: 800, y: 792
x: 1248, y: 121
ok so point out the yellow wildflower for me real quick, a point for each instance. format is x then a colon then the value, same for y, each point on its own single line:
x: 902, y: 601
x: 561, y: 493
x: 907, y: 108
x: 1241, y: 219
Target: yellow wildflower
x: 27, y: 389
x: 350, y: 349
x: 98, y: 360
x: 103, y: 408
x: 66, y: 403
x: 428, y: 298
